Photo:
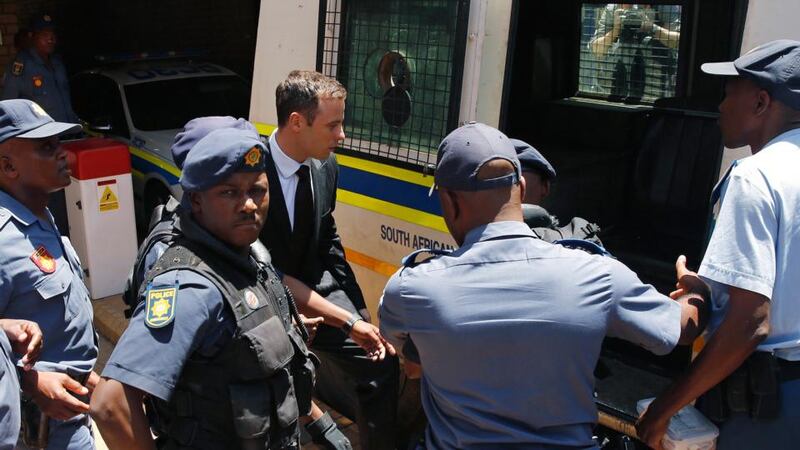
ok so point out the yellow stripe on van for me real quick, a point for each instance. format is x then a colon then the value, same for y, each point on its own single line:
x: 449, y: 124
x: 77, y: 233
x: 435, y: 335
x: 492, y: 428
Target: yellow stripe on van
x: 155, y: 160
x: 385, y: 170
x: 370, y: 263
x: 392, y: 210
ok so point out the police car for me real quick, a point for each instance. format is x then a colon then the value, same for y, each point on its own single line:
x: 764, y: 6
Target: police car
x: 145, y: 104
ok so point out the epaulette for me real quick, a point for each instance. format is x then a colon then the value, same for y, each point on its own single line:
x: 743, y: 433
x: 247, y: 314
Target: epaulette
x: 410, y: 260
x: 17, y: 68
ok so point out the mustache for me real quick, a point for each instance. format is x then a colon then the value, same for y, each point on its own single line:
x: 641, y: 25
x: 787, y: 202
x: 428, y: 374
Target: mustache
x: 247, y: 218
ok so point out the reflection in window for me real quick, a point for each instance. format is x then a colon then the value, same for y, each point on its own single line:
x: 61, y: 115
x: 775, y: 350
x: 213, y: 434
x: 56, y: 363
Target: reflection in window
x: 628, y: 51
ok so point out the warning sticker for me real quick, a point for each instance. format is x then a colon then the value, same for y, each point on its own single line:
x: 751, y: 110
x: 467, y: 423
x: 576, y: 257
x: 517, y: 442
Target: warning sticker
x: 107, y: 199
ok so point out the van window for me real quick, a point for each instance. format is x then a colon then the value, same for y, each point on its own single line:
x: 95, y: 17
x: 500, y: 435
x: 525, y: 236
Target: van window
x: 401, y: 61
x: 629, y: 52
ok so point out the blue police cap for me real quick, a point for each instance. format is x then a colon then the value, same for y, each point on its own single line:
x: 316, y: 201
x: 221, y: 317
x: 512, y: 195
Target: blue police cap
x: 774, y: 66
x: 219, y: 155
x: 22, y: 118
x: 43, y: 22
x: 531, y: 159
x: 463, y: 152
x: 198, y: 128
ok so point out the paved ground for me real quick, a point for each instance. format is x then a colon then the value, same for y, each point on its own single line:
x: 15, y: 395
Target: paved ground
x: 110, y: 323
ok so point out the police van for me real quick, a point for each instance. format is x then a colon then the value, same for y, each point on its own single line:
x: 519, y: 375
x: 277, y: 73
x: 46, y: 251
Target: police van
x: 626, y: 117
x: 144, y: 99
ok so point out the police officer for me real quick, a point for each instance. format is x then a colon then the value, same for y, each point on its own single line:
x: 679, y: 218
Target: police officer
x: 749, y: 369
x: 165, y: 227
x: 25, y: 338
x: 212, y: 342
x: 508, y: 328
x: 539, y: 174
x: 38, y: 74
x: 41, y: 278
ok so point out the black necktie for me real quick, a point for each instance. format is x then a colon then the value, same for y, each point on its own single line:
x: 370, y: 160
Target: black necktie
x: 303, y: 216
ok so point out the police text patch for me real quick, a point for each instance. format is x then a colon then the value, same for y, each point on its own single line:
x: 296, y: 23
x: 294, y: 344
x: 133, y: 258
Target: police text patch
x: 160, y: 307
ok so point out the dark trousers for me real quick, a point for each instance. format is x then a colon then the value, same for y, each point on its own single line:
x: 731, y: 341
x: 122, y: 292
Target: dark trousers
x: 360, y: 389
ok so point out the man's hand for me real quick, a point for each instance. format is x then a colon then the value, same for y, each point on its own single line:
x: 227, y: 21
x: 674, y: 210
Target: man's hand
x: 688, y: 281
x: 26, y: 339
x: 651, y: 428
x: 51, y: 391
x: 311, y: 326
x: 368, y: 337
x: 91, y: 381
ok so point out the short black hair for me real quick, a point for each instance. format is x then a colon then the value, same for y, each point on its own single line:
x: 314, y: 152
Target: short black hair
x: 300, y: 92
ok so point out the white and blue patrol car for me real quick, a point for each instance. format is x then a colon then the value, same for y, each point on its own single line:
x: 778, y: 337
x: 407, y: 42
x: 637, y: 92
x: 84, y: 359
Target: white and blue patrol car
x: 145, y: 104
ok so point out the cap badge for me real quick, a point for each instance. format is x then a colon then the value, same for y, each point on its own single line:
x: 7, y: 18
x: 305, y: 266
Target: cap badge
x: 17, y: 68
x: 251, y: 299
x: 47, y: 18
x: 43, y: 260
x: 252, y: 157
x: 38, y: 110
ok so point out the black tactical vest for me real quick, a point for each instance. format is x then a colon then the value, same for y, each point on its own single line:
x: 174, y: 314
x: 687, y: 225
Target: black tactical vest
x: 248, y: 395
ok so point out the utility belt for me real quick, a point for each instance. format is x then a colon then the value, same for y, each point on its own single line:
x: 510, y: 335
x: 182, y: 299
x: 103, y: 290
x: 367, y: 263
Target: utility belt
x: 35, y: 430
x: 753, y: 388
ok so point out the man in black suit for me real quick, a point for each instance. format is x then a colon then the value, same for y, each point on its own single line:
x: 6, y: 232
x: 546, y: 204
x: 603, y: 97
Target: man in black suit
x: 301, y: 235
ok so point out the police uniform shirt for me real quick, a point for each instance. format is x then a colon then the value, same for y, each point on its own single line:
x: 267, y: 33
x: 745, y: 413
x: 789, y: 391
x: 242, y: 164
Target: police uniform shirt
x: 41, y: 280
x: 9, y: 396
x: 29, y: 77
x: 152, y: 359
x: 508, y: 329
x: 756, y: 240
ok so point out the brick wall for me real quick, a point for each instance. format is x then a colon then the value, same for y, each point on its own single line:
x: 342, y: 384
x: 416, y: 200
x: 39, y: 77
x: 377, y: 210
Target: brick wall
x: 224, y: 30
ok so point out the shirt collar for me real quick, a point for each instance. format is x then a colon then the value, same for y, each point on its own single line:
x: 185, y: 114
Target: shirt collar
x: 17, y: 209
x: 496, y: 229
x: 786, y: 135
x: 286, y: 166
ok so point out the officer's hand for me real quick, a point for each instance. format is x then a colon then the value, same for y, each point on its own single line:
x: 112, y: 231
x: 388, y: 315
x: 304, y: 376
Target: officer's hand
x: 651, y: 429
x: 688, y: 281
x: 26, y: 339
x: 368, y: 337
x: 51, y: 392
x: 311, y: 326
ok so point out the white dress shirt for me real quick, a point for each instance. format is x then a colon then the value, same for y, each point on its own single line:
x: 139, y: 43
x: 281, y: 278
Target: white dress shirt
x: 287, y: 173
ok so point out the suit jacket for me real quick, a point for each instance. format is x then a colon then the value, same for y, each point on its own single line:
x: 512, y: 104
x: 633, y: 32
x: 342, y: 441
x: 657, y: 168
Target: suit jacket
x: 325, y: 269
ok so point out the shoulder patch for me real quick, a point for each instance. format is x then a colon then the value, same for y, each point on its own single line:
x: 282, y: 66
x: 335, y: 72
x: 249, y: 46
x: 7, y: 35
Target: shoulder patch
x: 17, y: 68
x: 43, y: 259
x: 410, y: 260
x: 160, y: 306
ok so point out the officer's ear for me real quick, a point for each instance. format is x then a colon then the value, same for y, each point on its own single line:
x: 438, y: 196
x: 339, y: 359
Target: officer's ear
x: 7, y: 168
x: 196, y: 202
x: 450, y: 204
x: 763, y: 101
x: 522, y: 189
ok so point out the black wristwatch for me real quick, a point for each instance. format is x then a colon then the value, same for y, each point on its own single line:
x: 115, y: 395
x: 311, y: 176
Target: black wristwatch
x: 347, y: 327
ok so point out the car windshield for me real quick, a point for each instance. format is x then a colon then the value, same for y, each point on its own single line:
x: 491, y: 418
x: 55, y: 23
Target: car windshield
x: 169, y: 104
